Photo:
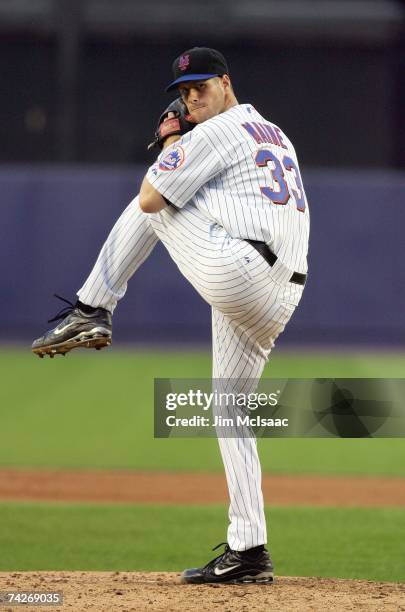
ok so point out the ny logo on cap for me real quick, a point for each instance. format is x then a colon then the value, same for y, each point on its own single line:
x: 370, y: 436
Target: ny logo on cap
x: 184, y: 61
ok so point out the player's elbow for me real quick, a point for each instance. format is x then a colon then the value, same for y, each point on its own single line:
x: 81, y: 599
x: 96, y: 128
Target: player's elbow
x: 150, y: 200
x: 148, y: 204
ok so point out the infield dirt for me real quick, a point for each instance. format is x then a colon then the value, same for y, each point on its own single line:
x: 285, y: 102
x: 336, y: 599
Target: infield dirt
x: 193, y: 488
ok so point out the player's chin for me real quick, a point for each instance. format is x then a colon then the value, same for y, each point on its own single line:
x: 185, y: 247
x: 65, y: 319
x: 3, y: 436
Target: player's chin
x: 201, y: 114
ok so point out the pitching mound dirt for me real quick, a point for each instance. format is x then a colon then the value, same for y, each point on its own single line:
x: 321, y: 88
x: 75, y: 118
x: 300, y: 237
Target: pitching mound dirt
x: 127, y: 591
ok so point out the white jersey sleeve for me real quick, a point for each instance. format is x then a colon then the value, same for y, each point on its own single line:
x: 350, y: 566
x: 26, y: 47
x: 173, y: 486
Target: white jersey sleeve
x: 182, y: 168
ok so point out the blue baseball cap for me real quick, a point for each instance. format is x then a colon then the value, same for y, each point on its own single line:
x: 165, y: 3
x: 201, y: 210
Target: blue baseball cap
x: 198, y: 64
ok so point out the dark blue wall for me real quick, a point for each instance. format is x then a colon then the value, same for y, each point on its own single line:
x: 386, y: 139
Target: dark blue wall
x: 54, y: 221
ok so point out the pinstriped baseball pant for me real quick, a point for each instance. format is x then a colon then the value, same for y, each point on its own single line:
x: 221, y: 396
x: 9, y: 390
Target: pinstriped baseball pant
x: 251, y: 304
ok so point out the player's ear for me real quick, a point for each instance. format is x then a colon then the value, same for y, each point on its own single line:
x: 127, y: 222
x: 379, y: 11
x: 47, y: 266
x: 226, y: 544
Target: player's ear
x: 226, y: 81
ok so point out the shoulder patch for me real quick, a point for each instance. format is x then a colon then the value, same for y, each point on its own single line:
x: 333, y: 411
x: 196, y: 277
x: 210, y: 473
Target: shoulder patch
x: 173, y: 159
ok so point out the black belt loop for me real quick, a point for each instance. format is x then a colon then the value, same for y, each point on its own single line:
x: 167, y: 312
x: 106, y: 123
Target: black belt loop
x: 268, y: 255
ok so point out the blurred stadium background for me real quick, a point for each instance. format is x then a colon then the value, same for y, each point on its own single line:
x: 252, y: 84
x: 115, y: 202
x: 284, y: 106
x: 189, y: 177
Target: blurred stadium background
x: 82, y: 84
x: 81, y: 88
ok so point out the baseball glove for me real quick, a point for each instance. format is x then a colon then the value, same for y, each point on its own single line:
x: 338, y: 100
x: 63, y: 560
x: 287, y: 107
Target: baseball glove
x: 169, y: 126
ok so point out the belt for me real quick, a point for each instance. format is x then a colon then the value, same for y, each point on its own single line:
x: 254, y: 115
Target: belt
x: 263, y: 249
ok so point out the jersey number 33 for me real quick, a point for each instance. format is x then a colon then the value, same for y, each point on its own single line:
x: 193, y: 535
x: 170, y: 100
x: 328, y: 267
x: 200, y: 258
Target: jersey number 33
x: 284, y: 192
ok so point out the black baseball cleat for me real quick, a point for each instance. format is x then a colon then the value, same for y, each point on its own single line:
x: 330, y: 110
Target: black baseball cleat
x: 80, y: 326
x: 233, y: 567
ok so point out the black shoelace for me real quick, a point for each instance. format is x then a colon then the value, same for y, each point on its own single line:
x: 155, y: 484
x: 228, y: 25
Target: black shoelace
x: 65, y: 311
x: 227, y: 549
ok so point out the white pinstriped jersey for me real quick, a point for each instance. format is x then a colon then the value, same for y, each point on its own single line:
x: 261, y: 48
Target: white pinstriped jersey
x: 234, y: 176
x: 242, y: 173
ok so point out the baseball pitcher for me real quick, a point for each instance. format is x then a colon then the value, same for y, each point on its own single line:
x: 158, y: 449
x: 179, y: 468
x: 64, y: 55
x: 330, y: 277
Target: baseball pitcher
x: 226, y: 199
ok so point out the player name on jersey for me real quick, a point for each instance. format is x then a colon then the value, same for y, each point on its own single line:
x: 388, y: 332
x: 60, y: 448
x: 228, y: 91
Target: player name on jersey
x: 265, y: 133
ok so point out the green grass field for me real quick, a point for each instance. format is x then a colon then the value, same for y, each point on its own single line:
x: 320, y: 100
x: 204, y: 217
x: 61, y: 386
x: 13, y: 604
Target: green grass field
x: 329, y: 542
x: 94, y: 410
